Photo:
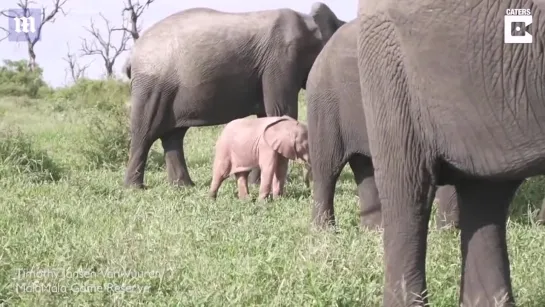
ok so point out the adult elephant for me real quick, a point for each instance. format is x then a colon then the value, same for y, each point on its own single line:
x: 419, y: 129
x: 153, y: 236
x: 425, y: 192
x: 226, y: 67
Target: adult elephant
x: 337, y: 135
x: 448, y: 102
x: 202, y: 67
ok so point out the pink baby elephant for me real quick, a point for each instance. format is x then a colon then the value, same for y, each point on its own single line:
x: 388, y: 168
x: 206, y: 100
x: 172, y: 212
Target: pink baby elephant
x: 267, y: 142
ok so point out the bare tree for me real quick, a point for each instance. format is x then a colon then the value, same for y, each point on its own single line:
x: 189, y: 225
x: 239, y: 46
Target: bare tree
x: 25, y: 5
x: 75, y: 70
x: 104, y: 46
x: 134, y: 9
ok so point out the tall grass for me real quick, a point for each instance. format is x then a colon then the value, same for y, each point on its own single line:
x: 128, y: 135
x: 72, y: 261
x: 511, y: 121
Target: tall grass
x: 62, y: 156
x: 19, y: 157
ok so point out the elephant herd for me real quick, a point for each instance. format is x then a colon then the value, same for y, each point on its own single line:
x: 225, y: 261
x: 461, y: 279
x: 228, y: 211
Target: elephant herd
x: 418, y: 97
x: 201, y: 67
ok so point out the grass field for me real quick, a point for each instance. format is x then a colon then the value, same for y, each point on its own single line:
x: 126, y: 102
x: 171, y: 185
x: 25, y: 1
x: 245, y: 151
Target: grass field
x: 67, y: 227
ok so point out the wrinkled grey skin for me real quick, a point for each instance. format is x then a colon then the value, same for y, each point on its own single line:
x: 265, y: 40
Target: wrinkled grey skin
x: 448, y: 102
x: 202, y: 67
x: 337, y: 135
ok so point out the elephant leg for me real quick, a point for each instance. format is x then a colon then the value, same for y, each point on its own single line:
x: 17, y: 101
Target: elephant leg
x: 328, y: 159
x: 266, y: 182
x: 484, y: 208
x: 447, y: 211
x: 323, y: 187
x: 219, y: 174
x: 255, y: 176
x: 255, y: 173
x: 173, y: 145
x: 370, y: 211
x: 405, y: 182
x: 541, y: 216
x: 279, y: 179
x: 215, y: 185
x: 280, y: 97
x: 138, y: 156
x: 242, y: 184
x: 406, y: 195
x: 307, y: 176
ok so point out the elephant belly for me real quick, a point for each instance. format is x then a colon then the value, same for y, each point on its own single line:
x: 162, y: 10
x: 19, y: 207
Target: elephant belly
x: 214, y: 104
x: 243, y: 161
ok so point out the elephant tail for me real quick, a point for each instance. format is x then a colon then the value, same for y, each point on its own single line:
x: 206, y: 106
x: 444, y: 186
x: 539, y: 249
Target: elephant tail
x: 127, y: 67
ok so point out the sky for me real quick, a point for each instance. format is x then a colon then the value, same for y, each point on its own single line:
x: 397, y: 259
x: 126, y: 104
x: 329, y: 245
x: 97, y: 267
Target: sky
x: 69, y: 29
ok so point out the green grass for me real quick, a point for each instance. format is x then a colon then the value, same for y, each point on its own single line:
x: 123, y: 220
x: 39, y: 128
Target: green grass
x: 64, y: 210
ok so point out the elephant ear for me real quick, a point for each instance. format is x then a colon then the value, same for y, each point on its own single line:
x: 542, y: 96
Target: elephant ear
x: 326, y: 20
x: 280, y: 136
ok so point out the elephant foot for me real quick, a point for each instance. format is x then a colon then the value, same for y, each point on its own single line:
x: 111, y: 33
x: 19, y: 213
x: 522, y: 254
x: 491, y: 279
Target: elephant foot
x: 213, y: 195
x: 245, y: 198
x: 182, y: 183
x: 370, y: 226
x: 135, y: 186
x: 307, y: 177
x: 447, y: 226
x: 264, y: 197
x: 541, y: 216
x: 277, y: 195
x: 326, y: 226
x: 370, y: 217
x: 322, y: 222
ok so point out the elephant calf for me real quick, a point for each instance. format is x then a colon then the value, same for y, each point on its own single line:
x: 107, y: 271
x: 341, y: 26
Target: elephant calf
x: 269, y: 143
x: 337, y: 134
x: 202, y: 67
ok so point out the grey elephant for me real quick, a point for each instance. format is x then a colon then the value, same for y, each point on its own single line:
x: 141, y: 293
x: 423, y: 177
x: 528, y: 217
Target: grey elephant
x: 336, y: 128
x: 448, y: 102
x: 202, y: 67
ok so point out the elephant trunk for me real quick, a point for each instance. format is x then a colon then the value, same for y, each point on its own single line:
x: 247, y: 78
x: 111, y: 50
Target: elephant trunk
x: 307, y: 175
x: 541, y: 216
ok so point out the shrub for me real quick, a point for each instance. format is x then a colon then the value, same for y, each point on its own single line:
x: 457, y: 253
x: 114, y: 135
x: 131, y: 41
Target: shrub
x: 19, y: 157
x: 104, y: 103
x: 17, y: 80
x: 108, y: 139
x: 102, y: 95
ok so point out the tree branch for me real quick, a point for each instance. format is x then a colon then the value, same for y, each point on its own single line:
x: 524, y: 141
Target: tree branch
x: 6, y: 33
x: 134, y: 10
x: 74, y: 68
x: 24, y: 5
x: 5, y: 14
x: 102, y: 44
x: 58, y: 4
